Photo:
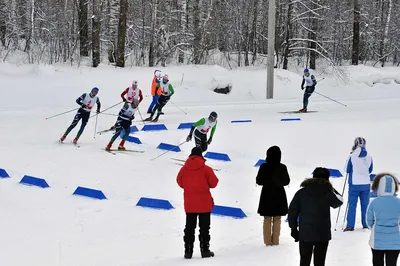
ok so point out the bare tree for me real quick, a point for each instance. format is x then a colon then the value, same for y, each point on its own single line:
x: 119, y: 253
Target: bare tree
x: 83, y: 27
x: 122, y: 33
x: 96, y: 33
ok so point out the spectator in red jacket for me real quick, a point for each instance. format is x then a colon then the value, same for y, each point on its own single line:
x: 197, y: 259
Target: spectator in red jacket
x: 196, y: 179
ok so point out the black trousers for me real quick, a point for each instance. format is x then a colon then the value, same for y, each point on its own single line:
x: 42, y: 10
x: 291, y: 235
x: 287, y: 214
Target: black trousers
x: 200, y: 140
x: 119, y: 126
x: 307, y: 94
x: 81, y: 114
x: 162, y: 101
x: 379, y: 256
x: 191, y: 223
x: 308, y: 248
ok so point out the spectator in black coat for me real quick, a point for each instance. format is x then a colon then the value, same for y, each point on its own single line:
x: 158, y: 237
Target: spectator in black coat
x: 312, y: 203
x: 273, y: 176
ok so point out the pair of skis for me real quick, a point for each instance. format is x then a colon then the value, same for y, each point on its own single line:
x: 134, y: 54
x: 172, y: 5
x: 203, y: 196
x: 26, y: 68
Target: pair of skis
x: 182, y: 162
x: 114, y: 151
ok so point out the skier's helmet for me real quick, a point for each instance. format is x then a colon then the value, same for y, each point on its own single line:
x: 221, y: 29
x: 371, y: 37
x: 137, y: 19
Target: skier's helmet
x: 157, y: 73
x: 165, y: 78
x: 94, y: 91
x: 213, y: 117
x: 306, y: 70
x: 135, y: 102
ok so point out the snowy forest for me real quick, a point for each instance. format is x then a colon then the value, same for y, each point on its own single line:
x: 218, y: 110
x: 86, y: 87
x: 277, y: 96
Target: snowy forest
x: 160, y: 32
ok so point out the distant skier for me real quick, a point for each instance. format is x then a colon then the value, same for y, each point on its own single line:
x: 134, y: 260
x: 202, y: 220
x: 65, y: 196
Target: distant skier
x: 86, y: 101
x: 124, y: 122
x: 132, y: 92
x: 310, y: 82
x: 202, y: 127
x: 156, y: 80
x: 166, y: 92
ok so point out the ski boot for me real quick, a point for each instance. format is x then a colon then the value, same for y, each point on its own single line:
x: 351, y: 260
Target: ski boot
x: 108, y: 147
x: 348, y: 228
x: 75, y: 141
x: 156, y: 119
x: 121, y: 146
x: 205, y: 247
x: 304, y: 110
x: 63, y: 138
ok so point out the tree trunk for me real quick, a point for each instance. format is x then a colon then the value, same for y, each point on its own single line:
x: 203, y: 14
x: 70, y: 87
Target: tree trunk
x: 3, y: 22
x: 287, y: 34
x: 313, y: 38
x: 182, y: 26
x: 122, y: 33
x: 355, y: 53
x: 153, y: 33
x: 253, y: 39
x: 113, y: 10
x: 96, y: 34
x: 83, y: 27
x: 197, y: 32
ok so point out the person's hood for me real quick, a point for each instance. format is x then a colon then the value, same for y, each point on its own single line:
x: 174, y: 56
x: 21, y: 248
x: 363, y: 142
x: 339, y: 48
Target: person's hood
x: 386, y: 186
x: 273, y: 155
x: 317, y: 186
x: 194, y: 162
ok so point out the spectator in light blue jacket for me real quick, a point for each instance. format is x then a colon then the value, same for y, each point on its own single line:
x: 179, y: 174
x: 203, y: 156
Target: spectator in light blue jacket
x: 359, y: 167
x: 383, y: 218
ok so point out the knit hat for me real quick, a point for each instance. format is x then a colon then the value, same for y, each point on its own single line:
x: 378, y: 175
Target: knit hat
x: 321, y: 172
x: 359, y: 142
x: 197, y: 152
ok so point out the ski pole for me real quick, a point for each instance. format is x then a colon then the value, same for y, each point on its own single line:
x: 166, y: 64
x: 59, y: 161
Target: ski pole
x: 95, y: 127
x: 141, y: 117
x: 329, y: 98
x: 345, y: 215
x: 109, y: 114
x: 179, y: 108
x: 167, y: 151
x: 344, y: 186
x: 107, y: 109
x: 62, y: 113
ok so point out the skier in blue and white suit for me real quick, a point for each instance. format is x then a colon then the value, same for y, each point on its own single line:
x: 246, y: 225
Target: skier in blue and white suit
x: 359, y: 167
x: 383, y: 216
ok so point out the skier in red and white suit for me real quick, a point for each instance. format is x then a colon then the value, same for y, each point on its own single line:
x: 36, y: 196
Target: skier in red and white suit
x: 132, y: 92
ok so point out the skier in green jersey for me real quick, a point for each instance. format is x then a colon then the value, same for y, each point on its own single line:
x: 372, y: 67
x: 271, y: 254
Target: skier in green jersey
x: 202, y: 127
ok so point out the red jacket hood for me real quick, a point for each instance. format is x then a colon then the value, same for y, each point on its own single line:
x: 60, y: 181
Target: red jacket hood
x: 195, y: 162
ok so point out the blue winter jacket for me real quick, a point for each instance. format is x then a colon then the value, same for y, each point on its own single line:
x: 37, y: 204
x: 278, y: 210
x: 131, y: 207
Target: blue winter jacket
x: 383, y: 217
x: 359, y: 167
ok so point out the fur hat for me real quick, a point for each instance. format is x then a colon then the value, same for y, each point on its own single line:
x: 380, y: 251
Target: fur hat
x: 321, y: 172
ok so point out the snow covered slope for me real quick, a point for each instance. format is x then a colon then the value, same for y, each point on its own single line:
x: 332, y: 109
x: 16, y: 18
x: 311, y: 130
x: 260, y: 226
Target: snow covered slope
x: 53, y: 227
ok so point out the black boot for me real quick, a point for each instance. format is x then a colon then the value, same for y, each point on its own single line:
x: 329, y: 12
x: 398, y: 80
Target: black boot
x: 150, y: 118
x: 188, y: 247
x: 156, y: 119
x: 205, y: 247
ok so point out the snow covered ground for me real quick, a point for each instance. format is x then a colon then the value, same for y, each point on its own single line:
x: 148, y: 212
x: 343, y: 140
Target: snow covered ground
x: 53, y: 227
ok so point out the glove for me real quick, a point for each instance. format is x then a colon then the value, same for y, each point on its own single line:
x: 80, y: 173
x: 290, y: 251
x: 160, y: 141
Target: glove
x: 209, y: 141
x: 83, y: 106
x: 295, y: 234
x: 302, y: 87
x: 124, y: 100
x: 98, y: 111
x: 189, y: 138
